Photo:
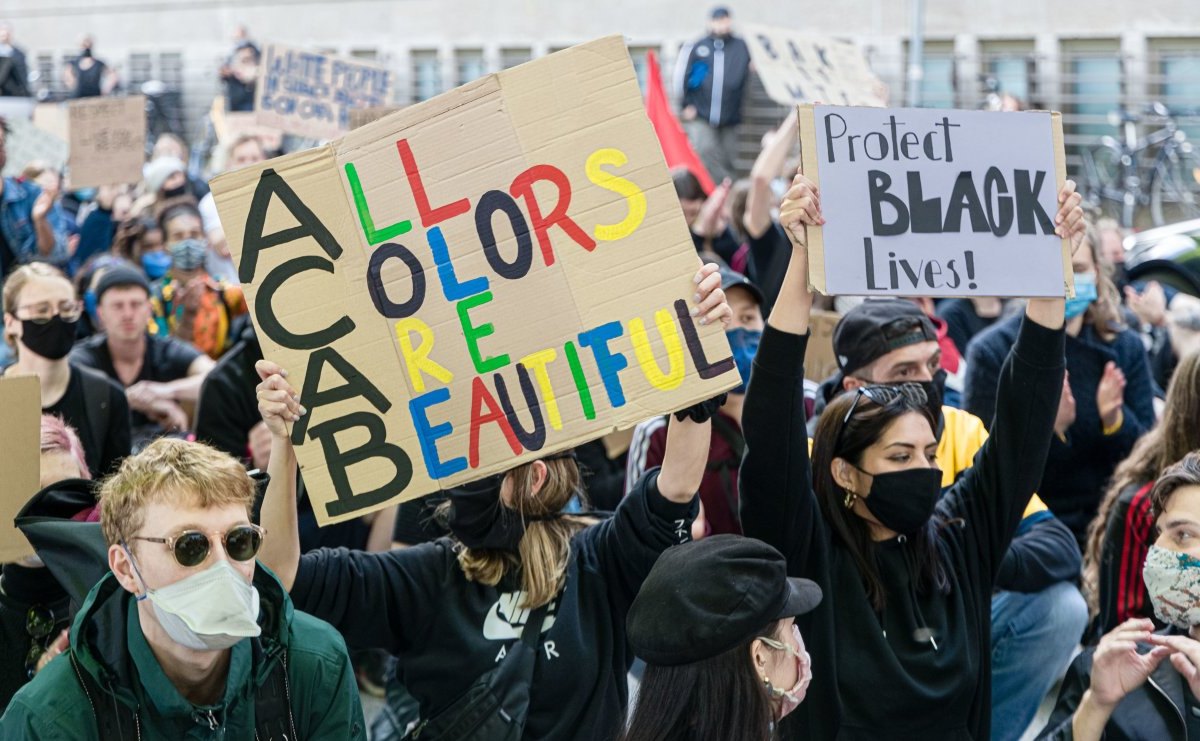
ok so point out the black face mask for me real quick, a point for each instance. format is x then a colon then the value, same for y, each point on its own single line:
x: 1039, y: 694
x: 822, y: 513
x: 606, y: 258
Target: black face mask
x: 52, y: 340
x: 904, y: 500
x: 175, y: 192
x: 480, y: 520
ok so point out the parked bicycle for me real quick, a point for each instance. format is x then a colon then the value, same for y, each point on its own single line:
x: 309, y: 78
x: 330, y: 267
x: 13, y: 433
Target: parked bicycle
x: 1160, y: 170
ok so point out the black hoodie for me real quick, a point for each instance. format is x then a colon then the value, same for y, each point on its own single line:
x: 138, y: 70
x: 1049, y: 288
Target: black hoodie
x: 447, y: 631
x: 879, y: 676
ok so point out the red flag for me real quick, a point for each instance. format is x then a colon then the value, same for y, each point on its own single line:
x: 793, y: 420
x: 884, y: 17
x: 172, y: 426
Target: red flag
x: 674, y: 142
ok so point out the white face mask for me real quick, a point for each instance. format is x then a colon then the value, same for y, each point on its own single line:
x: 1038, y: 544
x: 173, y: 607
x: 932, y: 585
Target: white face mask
x: 1173, y: 581
x: 208, y: 611
x: 791, y: 699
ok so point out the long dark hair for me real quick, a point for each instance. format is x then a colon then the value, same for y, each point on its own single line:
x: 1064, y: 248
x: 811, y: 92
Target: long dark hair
x: 1175, y: 435
x: 710, y: 700
x: 864, y: 428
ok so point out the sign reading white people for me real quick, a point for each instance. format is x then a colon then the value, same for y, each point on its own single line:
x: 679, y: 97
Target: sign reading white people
x: 926, y: 202
x: 311, y: 94
x: 806, y: 68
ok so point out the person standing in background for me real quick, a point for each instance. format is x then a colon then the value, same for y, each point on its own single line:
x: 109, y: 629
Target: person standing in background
x: 86, y: 76
x: 710, y: 78
x: 14, y: 70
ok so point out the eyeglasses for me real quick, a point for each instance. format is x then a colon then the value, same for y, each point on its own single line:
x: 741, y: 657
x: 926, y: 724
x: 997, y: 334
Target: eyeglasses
x: 881, y: 395
x: 191, y: 547
x: 39, y: 623
x: 45, y: 311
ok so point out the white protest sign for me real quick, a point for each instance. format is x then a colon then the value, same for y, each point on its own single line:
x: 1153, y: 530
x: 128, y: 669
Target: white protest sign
x: 925, y: 202
x: 311, y: 94
x: 805, y: 68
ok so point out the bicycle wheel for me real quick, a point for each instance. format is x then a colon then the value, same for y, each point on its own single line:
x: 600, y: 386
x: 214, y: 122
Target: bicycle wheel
x: 1104, y: 179
x: 1175, y: 190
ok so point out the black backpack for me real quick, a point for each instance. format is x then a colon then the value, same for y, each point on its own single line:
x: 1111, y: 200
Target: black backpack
x: 272, y: 707
x: 495, y: 707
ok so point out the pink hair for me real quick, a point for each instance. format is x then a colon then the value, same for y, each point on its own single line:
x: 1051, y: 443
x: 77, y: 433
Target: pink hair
x: 58, y: 436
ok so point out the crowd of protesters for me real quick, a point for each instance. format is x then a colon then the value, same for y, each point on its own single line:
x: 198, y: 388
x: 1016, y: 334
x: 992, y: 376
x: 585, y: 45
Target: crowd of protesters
x: 990, y: 504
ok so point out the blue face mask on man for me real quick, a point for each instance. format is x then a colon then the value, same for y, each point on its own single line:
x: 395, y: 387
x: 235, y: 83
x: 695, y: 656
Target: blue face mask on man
x: 744, y: 343
x: 1085, y: 295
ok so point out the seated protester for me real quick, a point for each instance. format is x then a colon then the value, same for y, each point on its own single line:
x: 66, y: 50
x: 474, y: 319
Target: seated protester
x: 1107, y: 399
x: 705, y: 216
x: 33, y: 605
x: 191, y: 305
x: 718, y: 488
x: 770, y: 249
x: 140, y: 241
x: 893, y: 341
x: 41, y: 312
x: 85, y: 278
x: 98, y: 231
x: 173, y: 145
x: 173, y: 639
x: 1126, y: 687
x: 967, y: 317
x: 1152, y: 305
x: 907, y: 571
x: 157, y: 373
x: 516, y: 562
x: 27, y: 232
x: 50, y: 180
x: 715, y: 622
x: 1123, y: 530
x: 951, y: 360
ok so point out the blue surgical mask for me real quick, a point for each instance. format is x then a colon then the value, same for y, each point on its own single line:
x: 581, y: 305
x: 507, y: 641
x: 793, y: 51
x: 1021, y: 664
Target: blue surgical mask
x: 84, y: 195
x: 744, y: 343
x: 1085, y: 294
x: 156, y: 264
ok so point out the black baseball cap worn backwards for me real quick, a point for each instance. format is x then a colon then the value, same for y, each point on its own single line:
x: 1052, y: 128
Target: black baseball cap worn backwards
x: 707, y: 597
x: 876, y: 327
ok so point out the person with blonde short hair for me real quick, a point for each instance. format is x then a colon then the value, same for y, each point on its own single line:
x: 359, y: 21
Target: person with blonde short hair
x: 186, y: 635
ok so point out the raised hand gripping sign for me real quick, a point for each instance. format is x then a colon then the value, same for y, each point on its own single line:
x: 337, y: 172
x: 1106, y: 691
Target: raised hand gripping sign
x: 926, y: 202
x: 473, y: 282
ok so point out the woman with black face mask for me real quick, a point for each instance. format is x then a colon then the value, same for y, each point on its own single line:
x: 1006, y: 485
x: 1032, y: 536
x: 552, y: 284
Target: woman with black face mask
x: 459, y: 608
x: 902, y: 634
x: 41, y: 314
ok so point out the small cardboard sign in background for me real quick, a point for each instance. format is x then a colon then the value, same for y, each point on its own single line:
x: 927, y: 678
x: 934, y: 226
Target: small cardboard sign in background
x: 806, y: 68
x: 927, y: 202
x: 27, y: 143
x: 820, y: 362
x: 474, y: 282
x: 51, y: 118
x: 311, y: 94
x: 106, y: 140
x: 20, y: 440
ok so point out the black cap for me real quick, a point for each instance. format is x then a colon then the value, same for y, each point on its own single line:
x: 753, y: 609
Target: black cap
x: 120, y: 276
x: 720, y: 12
x: 876, y: 327
x: 704, y: 598
x: 731, y: 278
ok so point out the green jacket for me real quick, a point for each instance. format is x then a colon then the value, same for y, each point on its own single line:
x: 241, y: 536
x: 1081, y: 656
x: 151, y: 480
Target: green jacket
x: 107, y: 641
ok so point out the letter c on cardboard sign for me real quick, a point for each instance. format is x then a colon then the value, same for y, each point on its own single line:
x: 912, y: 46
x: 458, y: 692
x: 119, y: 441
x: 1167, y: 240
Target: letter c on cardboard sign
x: 269, y: 322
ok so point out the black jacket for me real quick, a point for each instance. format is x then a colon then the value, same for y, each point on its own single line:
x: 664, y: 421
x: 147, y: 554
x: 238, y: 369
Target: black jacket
x: 228, y: 405
x: 1128, y: 535
x: 1152, y: 712
x: 873, y: 678
x: 711, y: 75
x: 1077, y: 470
x: 447, y: 631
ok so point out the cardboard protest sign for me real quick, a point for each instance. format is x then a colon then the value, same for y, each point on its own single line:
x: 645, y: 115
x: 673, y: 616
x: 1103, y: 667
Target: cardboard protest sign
x: 926, y: 202
x: 476, y: 281
x: 51, y: 118
x: 820, y: 362
x: 806, y: 68
x: 20, y: 440
x: 27, y: 143
x: 311, y: 94
x: 360, y: 117
x: 228, y: 126
x: 106, y: 140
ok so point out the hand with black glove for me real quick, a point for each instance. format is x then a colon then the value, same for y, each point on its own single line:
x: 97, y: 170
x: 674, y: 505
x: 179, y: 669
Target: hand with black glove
x: 702, y: 411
